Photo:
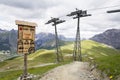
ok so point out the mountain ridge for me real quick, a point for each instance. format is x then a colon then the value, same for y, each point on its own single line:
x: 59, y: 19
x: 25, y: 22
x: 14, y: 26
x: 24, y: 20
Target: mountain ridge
x: 8, y: 40
x: 110, y: 37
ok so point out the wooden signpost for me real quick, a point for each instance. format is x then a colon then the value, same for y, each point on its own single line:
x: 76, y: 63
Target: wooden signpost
x: 26, y: 38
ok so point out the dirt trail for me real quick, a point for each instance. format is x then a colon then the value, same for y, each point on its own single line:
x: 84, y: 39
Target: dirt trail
x: 72, y: 71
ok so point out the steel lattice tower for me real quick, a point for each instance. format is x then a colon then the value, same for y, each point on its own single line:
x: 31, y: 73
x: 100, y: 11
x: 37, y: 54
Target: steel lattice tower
x: 77, y: 45
x: 58, y: 52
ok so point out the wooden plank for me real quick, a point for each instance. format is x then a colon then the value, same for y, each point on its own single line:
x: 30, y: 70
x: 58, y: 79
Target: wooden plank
x: 25, y: 23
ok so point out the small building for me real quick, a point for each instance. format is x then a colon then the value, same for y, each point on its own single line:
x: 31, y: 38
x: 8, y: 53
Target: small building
x: 5, y: 52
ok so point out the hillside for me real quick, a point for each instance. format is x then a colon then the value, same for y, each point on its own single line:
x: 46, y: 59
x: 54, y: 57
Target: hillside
x: 4, y: 57
x: 110, y: 37
x: 47, y: 40
x: 106, y: 59
x: 8, y: 40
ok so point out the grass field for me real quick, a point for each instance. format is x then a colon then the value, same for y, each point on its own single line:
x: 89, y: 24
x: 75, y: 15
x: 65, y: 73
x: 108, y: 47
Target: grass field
x: 104, y: 56
x: 13, y: 75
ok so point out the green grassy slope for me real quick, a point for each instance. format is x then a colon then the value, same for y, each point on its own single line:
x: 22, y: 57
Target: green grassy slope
x: 13, y: 75
x: 105, y: 57
x: 4, y: 57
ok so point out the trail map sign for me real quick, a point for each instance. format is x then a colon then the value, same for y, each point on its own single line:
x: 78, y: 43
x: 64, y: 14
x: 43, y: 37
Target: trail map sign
x: 26, y: 37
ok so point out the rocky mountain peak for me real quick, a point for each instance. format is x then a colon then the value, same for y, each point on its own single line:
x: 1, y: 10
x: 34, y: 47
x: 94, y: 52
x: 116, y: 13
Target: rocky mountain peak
x: 110, y: 37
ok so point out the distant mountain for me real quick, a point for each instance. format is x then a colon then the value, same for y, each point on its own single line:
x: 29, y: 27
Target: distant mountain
x: 13, y: 40
x: 8, y: 40
x: 47, y: 40
x: 1, y: 31
x: 110, y: 37
x: 4, y: 41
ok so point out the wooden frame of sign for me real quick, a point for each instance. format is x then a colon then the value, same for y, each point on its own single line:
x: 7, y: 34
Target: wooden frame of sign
x: 26, y: 37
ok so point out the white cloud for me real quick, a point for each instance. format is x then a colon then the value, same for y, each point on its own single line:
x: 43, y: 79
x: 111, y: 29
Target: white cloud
x: 40, y: 11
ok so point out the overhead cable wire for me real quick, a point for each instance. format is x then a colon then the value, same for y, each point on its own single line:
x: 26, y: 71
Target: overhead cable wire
x: 103, y: 7
x: 95, y: 9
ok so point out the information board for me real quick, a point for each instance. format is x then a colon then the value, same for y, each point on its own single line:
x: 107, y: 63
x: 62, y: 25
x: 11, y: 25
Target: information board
x: 26, y: 37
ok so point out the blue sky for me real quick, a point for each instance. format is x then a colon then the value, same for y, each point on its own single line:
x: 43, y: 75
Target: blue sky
x: 40, y: 11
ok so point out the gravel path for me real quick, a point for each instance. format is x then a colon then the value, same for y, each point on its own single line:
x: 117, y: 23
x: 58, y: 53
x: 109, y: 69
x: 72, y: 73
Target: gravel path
x: 72, y: 71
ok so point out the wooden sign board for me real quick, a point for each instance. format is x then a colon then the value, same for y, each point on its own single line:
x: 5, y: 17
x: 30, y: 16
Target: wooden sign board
x: 26, y: 37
